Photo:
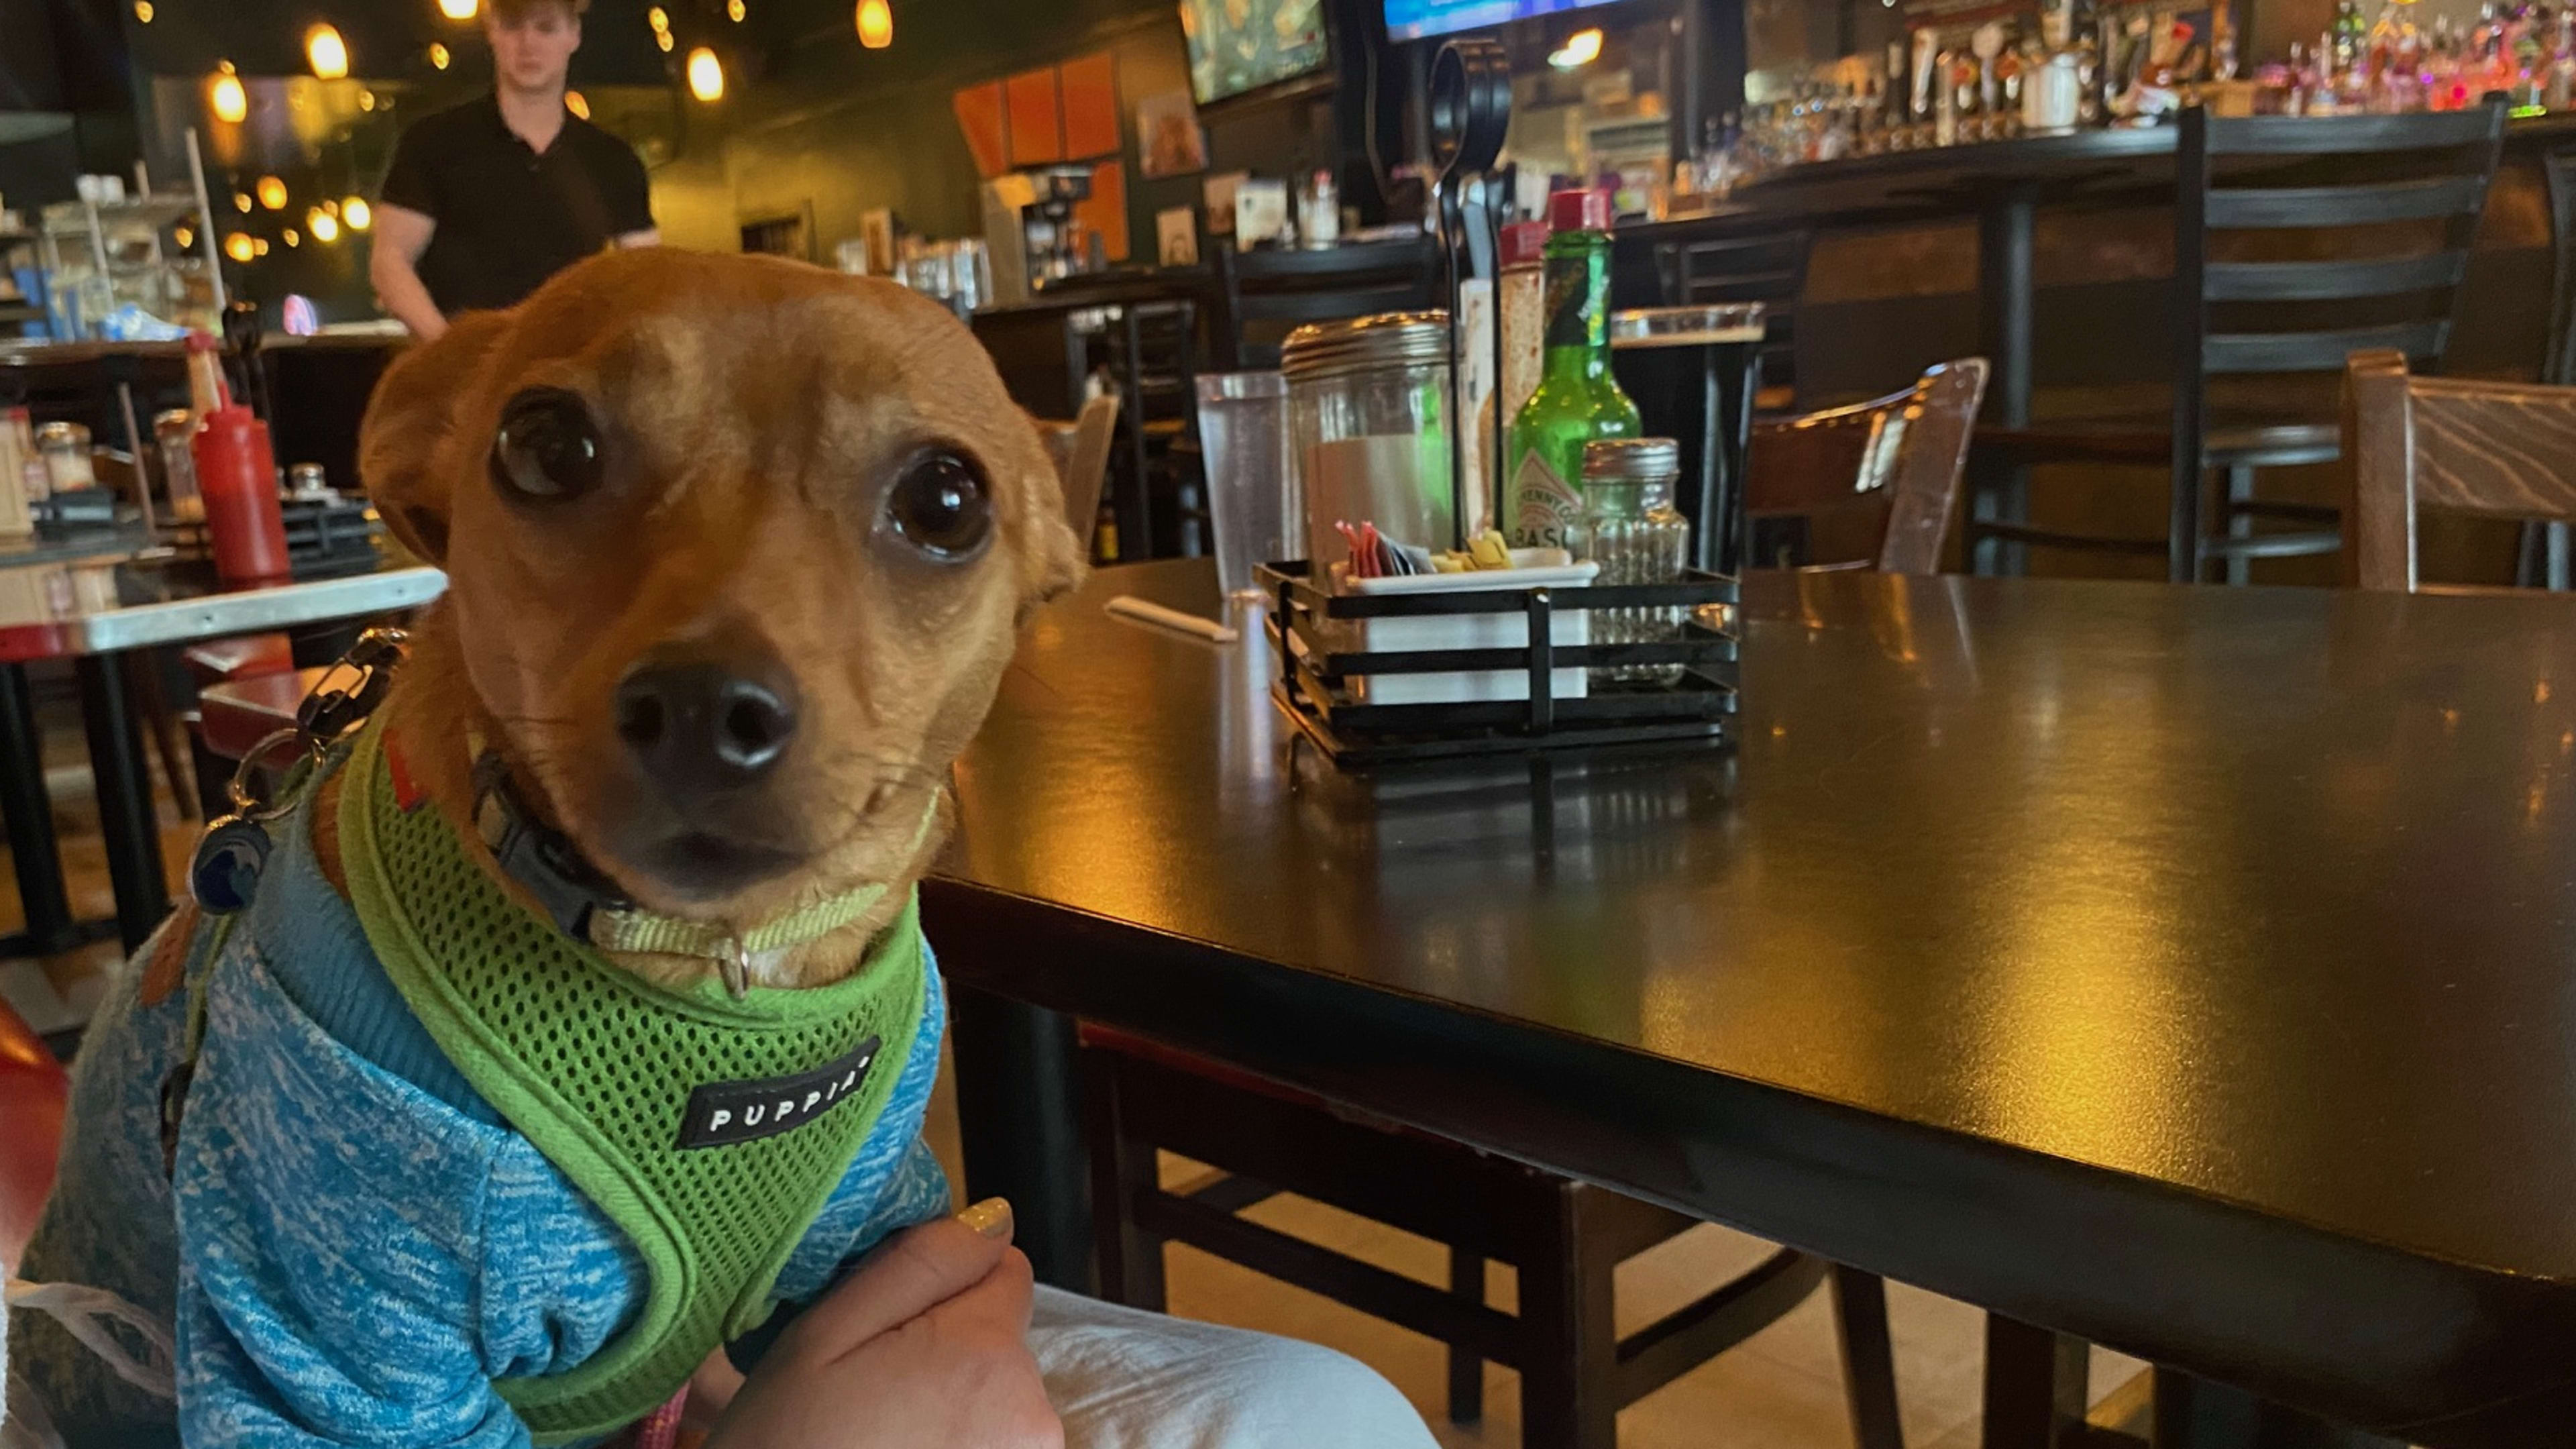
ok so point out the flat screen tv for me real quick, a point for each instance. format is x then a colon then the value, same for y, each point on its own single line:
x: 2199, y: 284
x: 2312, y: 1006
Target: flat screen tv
x: 1415, y: 19
x: 1241, y: 46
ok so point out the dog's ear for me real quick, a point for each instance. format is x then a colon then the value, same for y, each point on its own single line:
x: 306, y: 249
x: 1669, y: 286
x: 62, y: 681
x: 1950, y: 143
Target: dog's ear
x: 402, y: 447
x: 1057, y: 557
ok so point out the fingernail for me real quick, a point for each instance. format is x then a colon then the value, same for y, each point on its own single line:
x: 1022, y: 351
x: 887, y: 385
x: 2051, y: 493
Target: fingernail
x: 991, y: 1218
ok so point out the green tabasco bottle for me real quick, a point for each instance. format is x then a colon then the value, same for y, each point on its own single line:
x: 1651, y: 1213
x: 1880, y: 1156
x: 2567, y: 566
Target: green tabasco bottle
x: 1577, y: 399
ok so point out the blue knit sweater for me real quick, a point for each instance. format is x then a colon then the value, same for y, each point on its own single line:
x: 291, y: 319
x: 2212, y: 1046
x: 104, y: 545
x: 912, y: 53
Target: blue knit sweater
x: 353, y: 1245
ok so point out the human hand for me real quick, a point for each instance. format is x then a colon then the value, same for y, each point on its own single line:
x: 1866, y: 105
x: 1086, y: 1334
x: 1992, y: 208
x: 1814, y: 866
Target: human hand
x: 925, y: 1344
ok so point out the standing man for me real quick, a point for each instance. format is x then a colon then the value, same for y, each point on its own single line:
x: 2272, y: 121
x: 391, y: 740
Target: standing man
x: 486, y: 201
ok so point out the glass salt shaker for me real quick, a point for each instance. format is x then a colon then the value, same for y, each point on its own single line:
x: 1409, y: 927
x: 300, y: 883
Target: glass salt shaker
x: 1631, y: 530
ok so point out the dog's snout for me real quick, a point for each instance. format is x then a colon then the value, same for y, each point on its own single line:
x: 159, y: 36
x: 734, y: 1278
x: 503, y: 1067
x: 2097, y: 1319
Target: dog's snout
x: 698, y: 727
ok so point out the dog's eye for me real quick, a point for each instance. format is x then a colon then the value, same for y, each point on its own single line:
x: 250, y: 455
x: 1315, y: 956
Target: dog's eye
x: 547, y: 447
x: 940, y: 507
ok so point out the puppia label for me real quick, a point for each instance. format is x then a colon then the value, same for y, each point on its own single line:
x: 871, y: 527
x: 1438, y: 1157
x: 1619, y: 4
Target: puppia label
x: 1544, y: 510
x: 723, y: 1113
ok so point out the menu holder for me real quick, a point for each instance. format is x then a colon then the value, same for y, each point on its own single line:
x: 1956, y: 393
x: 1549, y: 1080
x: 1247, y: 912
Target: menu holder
x: 1323, y: 681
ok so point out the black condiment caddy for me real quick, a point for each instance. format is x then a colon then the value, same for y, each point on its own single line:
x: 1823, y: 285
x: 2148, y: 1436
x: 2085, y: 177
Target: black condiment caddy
x: 1317, y: 673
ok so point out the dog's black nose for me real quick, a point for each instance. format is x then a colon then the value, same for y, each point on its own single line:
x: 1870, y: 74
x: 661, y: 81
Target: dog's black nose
x: 697, y: 728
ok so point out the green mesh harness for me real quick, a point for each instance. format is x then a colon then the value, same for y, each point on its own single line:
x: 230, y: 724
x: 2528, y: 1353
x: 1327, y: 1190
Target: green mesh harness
x: 610, y: 1077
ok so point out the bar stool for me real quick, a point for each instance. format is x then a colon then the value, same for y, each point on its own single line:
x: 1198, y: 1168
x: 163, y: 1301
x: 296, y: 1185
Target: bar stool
x: 2342, y: 287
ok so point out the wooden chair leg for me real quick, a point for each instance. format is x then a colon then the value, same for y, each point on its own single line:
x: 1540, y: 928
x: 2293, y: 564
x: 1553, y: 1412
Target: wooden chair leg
x: 1570, y: 1393
x: 142, y: 676
x: 2036, y: 1384
x: 1869, y: 1358
x: 1122, y: 1169
x: 1466, y: 1369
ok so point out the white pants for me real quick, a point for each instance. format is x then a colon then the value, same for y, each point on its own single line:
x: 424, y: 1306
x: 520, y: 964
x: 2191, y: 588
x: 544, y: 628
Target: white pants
x: 1126, y: 1379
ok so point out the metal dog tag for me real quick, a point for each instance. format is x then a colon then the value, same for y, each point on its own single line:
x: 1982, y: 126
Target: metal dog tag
x: 224, y: 873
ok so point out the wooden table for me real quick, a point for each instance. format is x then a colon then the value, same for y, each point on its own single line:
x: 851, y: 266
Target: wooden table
x: 2182, y: 969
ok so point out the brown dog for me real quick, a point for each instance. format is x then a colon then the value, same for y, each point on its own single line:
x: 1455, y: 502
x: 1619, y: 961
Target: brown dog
x: 736, y: 550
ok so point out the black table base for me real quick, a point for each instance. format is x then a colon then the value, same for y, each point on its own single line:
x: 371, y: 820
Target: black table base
x: 124, y: 784
x: 30, y: 816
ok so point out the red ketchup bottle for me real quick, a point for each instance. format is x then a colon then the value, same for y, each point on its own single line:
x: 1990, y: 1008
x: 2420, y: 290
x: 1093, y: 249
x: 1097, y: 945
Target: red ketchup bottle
x: 237, y: 474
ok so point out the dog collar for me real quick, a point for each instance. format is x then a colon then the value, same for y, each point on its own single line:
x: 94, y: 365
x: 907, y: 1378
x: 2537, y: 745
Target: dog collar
x: 585, y: 905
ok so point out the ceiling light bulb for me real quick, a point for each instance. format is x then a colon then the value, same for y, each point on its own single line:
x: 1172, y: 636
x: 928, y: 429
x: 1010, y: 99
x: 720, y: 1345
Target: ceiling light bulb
x: 658, y: 18
x: 240, y: 247
x: 292, y: 238
x: 438, y: 57
x: 1580, y: 49
x: 356, y: 214
x: 459, y: 9
x: 328, y: 52
x: 662, y: 38
x: 324, y: 226
x: 577, y: 103
x: 706, y: 75
x: 272, y: 193
x: 231, y: 103
x: 876, y: 24
x: 143, y: 11
x: 736, y: 11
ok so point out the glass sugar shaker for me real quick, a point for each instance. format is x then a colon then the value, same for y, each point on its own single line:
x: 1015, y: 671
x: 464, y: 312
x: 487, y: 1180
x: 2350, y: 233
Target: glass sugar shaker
x: 1631, y: 530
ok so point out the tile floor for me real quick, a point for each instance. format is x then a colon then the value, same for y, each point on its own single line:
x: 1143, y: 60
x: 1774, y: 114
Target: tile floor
x: 1781, y: 1390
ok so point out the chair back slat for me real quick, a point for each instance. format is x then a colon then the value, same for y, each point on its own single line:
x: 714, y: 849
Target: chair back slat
x: 2272, y: 207
x: 1333, y: 284
x: 1768, y: 267
x: 2332, y: 281
x: 2559, y: 167
x: 2491, y: 449
x: 2302, y: 136
x: 1906, y: 451
x: 2325, y: 351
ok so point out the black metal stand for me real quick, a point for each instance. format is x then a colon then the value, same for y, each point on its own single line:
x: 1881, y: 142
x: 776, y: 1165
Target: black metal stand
x: 125, y: 815
x: 2006, y: 232
x: 1022, y: 1127
x: 30, y: 815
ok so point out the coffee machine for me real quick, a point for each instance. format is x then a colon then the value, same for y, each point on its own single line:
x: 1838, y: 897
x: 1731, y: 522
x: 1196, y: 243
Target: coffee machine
x: 1054, y: 244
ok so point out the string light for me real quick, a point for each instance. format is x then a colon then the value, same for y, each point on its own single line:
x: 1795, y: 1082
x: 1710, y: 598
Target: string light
x: 328, y: 52
x: 706, y: 75
x: 185, y: 236
x: 356, y: 214
x: 659, y: 19
x: 438, y: 56
x: 225, y: 94
x: 663, y: 39
x: 459, y: 9
x: 242, y: 202
x: 876, y: 24
x: 143, y: 12
x: 240, y: 247
x: 259, y: 248
x: 324, y: 226
x: 577, y: 103
x: 272, y: 193
x: 736, y: 11
x: 366, y: 100
x: 292, y: 237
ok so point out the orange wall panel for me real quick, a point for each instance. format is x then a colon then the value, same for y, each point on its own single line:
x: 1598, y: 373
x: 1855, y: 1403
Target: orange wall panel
x: 1037, y: 125
x: 1090, y: 89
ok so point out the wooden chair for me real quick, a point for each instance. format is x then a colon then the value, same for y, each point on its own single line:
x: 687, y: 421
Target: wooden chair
x: 1261, y: 295
x: 2545, y: 553
x: 1081, y: 450
x: 2336, y: 191
x: 1564, y: 1238
x: 2495, y: 449
x: 1887, y: 472
x: 1768, y: 266
x: 32, y: 1093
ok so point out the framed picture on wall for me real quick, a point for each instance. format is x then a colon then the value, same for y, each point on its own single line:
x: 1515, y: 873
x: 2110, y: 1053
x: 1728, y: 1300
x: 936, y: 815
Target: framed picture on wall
x: 1176, y: 235
x: 1169, y: 140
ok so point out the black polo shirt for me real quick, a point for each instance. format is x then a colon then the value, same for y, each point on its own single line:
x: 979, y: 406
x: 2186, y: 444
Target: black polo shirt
x: 509, y: 218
